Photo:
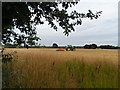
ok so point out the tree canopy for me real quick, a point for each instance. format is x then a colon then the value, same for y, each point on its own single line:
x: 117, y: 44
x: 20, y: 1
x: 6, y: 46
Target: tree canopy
x: 55, y: 45
x: 25, y: 16
x: 91, y: 46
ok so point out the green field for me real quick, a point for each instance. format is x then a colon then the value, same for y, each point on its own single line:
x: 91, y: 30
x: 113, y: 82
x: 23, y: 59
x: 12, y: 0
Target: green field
x: 48, y: 68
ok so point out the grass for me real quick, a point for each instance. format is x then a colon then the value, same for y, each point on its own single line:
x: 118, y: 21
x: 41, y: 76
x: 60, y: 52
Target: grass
x: 47, y: 68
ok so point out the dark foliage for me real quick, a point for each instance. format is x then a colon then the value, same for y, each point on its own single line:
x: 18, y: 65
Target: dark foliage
x: 91, y: 46
x: 108, y: 47
x: 9, y: 57
x: 55, y: 45
x: 25, y: 16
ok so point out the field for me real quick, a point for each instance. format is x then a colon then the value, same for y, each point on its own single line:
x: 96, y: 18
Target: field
x: 47, y: 68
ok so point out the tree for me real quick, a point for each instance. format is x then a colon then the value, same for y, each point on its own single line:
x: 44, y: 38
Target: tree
x: 55, y: 45
x: 25, y: 16
x: 91, y: 46
x: 107, y: 47
x: 87, y: 46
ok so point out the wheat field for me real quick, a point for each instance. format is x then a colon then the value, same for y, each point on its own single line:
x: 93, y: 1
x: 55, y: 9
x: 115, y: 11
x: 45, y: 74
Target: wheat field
x: 48, y: 68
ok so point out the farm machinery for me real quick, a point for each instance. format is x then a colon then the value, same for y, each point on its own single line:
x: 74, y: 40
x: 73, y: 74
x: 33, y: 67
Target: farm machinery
x: 68, y: 48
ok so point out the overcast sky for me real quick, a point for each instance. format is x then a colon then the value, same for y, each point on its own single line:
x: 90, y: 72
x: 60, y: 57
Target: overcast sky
x: 103, y: 30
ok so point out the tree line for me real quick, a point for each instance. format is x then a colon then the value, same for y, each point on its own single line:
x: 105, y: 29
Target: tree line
x: 55, y: 45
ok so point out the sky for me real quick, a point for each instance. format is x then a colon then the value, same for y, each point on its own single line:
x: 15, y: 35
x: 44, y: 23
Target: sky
x: 101, y: 31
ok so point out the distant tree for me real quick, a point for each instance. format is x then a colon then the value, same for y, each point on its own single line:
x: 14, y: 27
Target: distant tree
x: 24, y: 16
x: 7, y: 45
x: 87, y: 46
x: 43, y: 46
x: 55, y: 45
x: 107, y: 47
x: 91, y: 46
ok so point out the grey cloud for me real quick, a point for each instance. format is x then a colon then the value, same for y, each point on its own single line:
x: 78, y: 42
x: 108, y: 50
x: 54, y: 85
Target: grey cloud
x: 101, y: 31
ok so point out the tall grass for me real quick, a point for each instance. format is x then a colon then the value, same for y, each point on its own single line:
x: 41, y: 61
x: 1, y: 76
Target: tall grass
x: 36, y: 68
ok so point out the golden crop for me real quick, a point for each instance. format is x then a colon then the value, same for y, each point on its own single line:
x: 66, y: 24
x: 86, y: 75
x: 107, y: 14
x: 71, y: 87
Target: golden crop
x: 45, y: 68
